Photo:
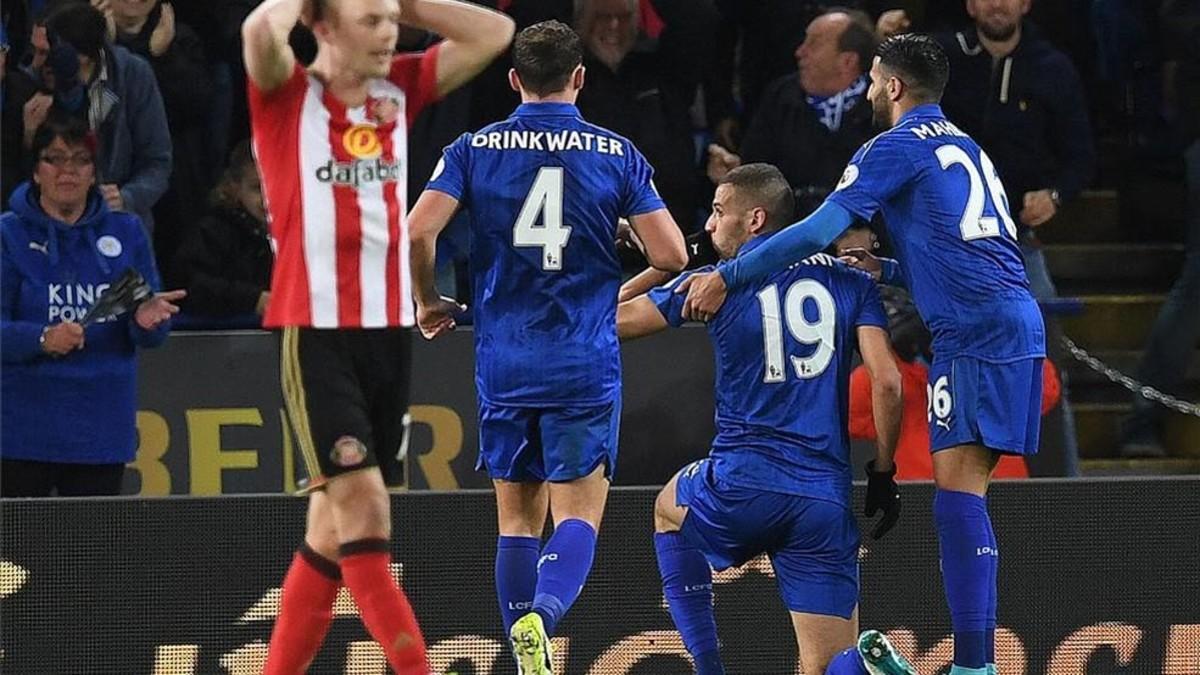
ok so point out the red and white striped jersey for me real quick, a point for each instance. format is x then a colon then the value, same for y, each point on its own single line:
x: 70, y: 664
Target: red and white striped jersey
x: 335, y: 183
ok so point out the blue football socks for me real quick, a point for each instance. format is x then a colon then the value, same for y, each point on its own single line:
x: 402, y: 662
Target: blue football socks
x: 516, y: 576
x: 969, y: 563
x: 848, y: 662
x: 989, y: 645
x: 688, y: 587
x: 561, y: 570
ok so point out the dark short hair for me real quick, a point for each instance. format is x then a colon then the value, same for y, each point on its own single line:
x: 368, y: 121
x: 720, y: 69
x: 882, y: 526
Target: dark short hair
x: 919, y: 61
x: 71, y: 129
x: 79, y: 25
x: 858, y: 37
x: 761, y: 185
x: 545, y: 54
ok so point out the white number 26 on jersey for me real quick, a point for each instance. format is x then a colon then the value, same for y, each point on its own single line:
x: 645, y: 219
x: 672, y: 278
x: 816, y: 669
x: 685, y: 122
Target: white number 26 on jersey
x: 819, y: 332
x: 545, y: 198
x: 974, y: 225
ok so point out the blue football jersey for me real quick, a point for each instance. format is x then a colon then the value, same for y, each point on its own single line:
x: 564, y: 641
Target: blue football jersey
x: 948, y: 217
x: 544, y: 190
x: 783, y: 352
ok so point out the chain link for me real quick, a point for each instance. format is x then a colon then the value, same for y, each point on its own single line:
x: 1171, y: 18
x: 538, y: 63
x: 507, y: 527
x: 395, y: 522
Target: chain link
x: 1145, y: 391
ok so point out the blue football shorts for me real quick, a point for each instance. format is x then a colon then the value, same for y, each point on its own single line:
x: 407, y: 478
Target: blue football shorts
x: 522, y: 444
x: 996, y: 405
x: 812, y: 543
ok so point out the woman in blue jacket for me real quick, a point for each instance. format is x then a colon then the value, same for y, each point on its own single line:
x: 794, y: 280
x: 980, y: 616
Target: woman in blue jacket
x: 67, y: 393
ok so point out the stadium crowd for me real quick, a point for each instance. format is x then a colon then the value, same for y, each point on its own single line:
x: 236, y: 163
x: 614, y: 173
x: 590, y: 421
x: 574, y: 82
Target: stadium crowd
x: 700, y: 86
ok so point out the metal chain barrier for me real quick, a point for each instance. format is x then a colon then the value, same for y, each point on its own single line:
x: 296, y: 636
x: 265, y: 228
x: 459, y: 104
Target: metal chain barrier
x: 1145, y: 391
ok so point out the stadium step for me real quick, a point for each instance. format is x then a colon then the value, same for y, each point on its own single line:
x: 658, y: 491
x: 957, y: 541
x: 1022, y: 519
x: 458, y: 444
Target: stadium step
x: 1114, y: 267
x: 1138, y: 467
x: 1094, y: 217
x: 1098, y: 428
x: 1113, y: 321
x: 1124, y: 360
x: 1153, y: 207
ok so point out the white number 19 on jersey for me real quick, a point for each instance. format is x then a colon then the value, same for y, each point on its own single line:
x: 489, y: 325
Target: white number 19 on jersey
x: 819, y: 332
x: 545, y: 199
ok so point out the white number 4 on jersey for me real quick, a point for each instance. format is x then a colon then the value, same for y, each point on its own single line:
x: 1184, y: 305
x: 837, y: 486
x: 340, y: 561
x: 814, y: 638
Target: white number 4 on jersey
x: 545, y: 199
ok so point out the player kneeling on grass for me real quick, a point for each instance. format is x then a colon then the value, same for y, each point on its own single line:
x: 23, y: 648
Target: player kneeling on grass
x: 777, y: 480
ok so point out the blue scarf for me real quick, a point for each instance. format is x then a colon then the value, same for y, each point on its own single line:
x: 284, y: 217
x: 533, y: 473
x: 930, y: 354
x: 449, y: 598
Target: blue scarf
x: 831, y: 109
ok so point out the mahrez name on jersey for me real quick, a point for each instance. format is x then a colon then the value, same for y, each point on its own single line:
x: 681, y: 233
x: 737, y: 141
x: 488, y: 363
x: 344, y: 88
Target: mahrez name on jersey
x: 935, y: 129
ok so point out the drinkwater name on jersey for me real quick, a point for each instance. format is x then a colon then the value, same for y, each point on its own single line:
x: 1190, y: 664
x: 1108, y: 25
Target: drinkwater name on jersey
x: 359, y: 172
x: 549, y: 141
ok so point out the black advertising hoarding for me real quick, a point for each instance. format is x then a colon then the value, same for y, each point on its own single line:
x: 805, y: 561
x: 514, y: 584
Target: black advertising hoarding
x: 211, y: 417
x: 1096, y: 577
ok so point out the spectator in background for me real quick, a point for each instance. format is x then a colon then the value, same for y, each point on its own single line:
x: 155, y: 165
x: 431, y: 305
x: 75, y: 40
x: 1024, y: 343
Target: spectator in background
x: 225, y: 262
x: 1023, y: 102
x: 10, y: 113
x: 114, y: 91
x: 1173, y: 338
x: 810, y: 122
x: 19, y: 87
x: 756, y: 44
x: 149, y: 29
x: 68, y: 393
x: 645, y: 95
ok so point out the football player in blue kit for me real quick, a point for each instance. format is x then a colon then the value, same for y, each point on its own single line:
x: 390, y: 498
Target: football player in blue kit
x: 948, y: 216
x: 778, y: 478
x: 545, y: 191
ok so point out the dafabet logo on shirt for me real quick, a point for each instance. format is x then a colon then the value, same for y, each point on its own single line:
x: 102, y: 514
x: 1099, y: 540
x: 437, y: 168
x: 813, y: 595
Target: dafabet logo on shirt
x: 363, y: 143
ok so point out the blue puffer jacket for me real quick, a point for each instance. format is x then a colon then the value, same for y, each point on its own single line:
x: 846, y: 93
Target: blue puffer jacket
x: 79, y: 408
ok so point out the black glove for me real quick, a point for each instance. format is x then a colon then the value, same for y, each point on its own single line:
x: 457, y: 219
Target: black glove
x: 124, y: 295
x: 882, y: 493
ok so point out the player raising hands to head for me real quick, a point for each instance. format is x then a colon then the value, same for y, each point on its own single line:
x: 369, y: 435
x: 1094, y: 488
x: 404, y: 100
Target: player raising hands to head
x: 330, y: 143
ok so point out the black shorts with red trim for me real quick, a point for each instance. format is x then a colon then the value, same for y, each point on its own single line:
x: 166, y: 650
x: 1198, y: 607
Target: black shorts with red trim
x: 347, y: 395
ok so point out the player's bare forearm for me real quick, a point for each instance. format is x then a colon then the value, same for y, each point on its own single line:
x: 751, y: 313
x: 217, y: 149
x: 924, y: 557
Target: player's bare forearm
x: 269, y: 57
x: 886, y: 392
x: 888, y: 407
x: 421, y: 259
x: 639, y: 317
x: 662, y: 240
x: 642, y: 282
x: 474, y: 36
x: 429, y: 217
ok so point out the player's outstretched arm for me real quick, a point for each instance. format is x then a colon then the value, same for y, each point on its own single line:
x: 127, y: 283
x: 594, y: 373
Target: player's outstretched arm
x: 269, y: 58
x: 706, y: 292
x: 430, y: 215
x: 639, y: 317
x: 887, y: 407
x: 793, y: 244
x: 661, y: 239
x: 474, y: 36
